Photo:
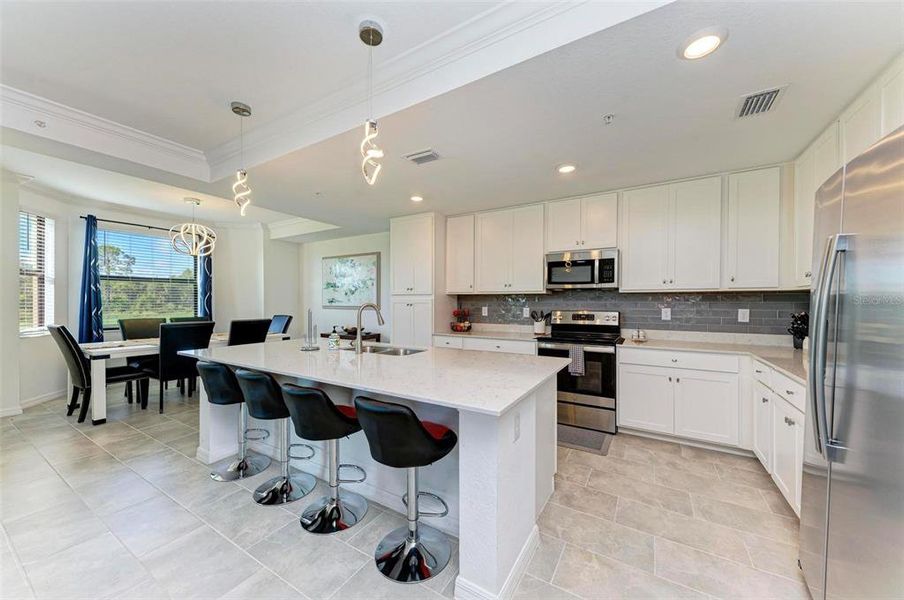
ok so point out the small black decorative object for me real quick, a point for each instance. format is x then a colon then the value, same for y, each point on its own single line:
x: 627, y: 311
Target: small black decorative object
x: 800, y: 327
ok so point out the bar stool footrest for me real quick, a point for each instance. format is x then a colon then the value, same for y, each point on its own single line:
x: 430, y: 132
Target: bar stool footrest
x: 423, y: 513
x: 355, y: 467
x: 256, y: 434
x: 296, y: 457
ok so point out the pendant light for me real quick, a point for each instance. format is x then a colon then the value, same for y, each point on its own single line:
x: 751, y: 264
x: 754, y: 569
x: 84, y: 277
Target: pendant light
x: 240, y: 189
x: 371, y: 34
x: 192, y: 238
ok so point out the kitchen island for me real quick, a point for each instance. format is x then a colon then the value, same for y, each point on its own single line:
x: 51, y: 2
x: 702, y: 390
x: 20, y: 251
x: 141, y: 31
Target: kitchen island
x: 496, y: 481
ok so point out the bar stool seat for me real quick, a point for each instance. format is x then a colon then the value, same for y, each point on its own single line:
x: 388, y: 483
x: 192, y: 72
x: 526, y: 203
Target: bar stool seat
x: 264, y: 401
x: 397, y: 438
x: 316, y: 418
x: 223, y: 389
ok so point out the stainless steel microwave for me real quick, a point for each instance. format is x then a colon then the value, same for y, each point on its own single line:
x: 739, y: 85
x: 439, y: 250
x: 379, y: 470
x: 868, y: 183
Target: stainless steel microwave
x: 582, y: 269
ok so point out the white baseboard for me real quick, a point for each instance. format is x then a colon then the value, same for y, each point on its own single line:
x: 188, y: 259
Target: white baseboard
x: 10, y: 412
x: 465, y: 590
x: 35, y: 400
x: 687, y: 442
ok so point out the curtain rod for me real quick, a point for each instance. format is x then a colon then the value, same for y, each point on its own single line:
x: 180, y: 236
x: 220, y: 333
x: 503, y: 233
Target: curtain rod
x: 127, y: 223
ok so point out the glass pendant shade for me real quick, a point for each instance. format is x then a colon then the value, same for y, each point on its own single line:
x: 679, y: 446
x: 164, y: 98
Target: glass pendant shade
x: 370, y: 168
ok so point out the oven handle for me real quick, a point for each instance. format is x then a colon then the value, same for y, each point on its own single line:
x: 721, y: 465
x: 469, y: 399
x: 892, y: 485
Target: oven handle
x: 591, y: 349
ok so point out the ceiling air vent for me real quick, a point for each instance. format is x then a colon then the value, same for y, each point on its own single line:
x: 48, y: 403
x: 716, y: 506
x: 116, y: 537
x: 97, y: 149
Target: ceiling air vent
x: 422, y: 157
x: 759, y: 102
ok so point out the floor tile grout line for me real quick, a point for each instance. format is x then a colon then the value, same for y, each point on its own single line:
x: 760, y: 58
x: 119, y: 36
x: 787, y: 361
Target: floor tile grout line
x: 17, y: 561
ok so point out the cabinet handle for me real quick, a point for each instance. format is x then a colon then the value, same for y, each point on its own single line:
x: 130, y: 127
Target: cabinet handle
x: 582, y: 242
x: 470, y: 286
x: 789, y: 392
x: 674, y: 360
x: 808, y: 274
x: 764, y: 400
x: 497, y: 347
x: 757, y: 371
x: 732, y: 277
x: 670, y: 379
x: 791, y: 422
x: 677, y: 380
x: 671, y: 281
x: 577, y: 243
x: 663, y: 281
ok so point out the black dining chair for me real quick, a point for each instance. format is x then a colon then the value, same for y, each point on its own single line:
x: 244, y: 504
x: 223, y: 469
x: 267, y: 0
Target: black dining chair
x: 80, y: 371
x: 175, y: 337
x: 188, y: 319
x: 280, y: 323
x: 137, y: 329
x: 248, y: 331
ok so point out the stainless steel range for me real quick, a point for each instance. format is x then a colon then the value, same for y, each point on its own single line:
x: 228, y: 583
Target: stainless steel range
x: 587, y: 399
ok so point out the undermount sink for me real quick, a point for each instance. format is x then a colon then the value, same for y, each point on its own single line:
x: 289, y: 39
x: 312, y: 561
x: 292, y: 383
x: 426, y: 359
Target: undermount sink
x: 367, y: 349
x: 388, y: 351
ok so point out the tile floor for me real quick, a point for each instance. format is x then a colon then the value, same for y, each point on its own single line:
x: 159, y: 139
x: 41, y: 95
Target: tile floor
x: 652, y: 519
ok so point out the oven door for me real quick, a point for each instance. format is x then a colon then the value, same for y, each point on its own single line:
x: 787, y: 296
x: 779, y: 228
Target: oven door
x: 568, y: 274
x: 586, y: 400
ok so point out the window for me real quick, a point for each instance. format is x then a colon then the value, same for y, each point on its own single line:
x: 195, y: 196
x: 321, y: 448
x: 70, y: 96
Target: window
x: 35, y: 273
x: 142, y: 276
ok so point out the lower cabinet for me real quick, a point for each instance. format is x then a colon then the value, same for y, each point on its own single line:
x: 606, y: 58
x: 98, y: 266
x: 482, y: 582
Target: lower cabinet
x: 464, y: 342
x: 412, y: 322
x: 762, y: 424
x: 645, y: 399
x: 787, y: 449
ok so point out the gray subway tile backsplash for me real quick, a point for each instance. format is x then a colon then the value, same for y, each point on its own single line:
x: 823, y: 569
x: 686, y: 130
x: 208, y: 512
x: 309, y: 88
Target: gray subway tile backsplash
x: 770, y: 312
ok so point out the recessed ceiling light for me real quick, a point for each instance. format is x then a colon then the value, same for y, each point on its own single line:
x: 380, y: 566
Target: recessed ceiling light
x: 702, y: 43
x: 417, y: 198
x: 566, y: 169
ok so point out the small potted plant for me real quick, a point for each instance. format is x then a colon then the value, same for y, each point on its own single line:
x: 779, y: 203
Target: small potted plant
x: 461, y: 324
x: 800, y: 328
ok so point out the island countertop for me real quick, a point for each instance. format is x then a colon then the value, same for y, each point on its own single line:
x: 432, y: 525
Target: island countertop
x: 466, y: 380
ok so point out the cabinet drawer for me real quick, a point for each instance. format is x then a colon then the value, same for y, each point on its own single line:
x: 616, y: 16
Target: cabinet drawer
x: 447, y: 341
x: 490, y: 345
x: 726, y: 363
x: 762, y: 373
x: 790, y: 390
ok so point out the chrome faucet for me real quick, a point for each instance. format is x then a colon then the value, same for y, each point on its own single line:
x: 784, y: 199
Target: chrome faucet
x: 359, y: 347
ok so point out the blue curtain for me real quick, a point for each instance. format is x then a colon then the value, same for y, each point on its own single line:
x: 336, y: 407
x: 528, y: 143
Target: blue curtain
x: 205, y: 287
x: 90, y: 317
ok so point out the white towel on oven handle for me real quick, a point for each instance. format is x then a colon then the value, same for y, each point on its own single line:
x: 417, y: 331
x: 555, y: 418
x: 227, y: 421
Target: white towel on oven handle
x: 576, y: 354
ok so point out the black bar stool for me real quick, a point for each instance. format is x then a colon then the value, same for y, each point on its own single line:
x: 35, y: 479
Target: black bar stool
x: 264, y: 402
x: 397, y: 438
x: 223, y: 388
x: 317, y: 418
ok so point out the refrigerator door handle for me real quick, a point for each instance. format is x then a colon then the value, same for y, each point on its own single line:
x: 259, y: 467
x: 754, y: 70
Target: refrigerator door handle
x: 835, y: 245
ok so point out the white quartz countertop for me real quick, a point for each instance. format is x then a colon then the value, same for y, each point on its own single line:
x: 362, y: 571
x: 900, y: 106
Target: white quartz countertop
x: 466, y: 380
x: 789, y: 361
x: 520, y: 336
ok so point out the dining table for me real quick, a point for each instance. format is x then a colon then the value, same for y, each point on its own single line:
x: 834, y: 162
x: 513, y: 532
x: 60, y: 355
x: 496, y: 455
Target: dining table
x: 100, y: 353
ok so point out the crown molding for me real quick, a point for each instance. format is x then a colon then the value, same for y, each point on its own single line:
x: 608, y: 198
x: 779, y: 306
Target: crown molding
x: 26, y: 112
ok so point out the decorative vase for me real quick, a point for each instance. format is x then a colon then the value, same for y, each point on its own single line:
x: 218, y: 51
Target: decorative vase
x: 539, y: 327
x: 798, y: 342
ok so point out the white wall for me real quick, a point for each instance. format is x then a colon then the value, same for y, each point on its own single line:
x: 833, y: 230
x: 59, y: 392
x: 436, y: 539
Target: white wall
x: 282, y: 281
x: 238, y: 275
x: 9, y: 298
x: 311, y: 273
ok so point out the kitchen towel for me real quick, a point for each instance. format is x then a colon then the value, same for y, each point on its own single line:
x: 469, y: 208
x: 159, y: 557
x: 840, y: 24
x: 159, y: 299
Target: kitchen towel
x: 576, y: 354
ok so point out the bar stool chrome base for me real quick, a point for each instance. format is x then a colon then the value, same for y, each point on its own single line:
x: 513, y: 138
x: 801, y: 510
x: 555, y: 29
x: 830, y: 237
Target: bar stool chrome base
x: 251, y: 465
x: 282, y: 490
x: 331, y: 515
x: 404, y: 560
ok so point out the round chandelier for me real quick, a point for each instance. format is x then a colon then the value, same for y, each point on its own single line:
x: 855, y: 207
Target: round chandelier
x: 193, y: 238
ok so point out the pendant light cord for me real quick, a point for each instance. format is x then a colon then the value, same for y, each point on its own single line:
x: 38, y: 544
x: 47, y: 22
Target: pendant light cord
x: 370, y: 77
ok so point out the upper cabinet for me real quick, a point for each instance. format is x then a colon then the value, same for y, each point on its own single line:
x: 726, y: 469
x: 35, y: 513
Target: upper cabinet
x: 875, y: 113
x: 754, y: 218
x: 509, y: 250
x: 811, y: 169
x: 460, y: 255
x: 582, y: 223
x: 671, y: 236
x: 411, y: 258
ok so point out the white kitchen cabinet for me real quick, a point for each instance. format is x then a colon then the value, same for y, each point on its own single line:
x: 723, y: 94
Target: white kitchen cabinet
x: 645, y: 398
x: 495, y: 345
x: 754, y: 214
x: 460, y: 255
x: 891, y: 95
x: 787, y: 450
x: 706, y: 406
x: 582, y: 223
x: 762, y: 424
x: 411, y: 255
x: 448, y: 341
x: 672, y: 236
x: 509, y: 250
x: 412, y: 322
x: 861, y: 123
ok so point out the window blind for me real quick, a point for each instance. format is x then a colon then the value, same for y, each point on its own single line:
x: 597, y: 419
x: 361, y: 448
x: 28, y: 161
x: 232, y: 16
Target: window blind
x: 142, y: 276
x: 36, y: 276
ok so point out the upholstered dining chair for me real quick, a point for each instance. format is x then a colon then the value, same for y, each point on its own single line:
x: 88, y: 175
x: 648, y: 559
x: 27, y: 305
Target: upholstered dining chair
x: 175, y: 337
x: 280, y: 323
x: 136, y: 329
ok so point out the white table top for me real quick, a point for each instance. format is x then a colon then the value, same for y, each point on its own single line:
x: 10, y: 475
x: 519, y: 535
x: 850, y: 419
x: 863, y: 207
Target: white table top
x: 466, y: 380
x: 119, y: 348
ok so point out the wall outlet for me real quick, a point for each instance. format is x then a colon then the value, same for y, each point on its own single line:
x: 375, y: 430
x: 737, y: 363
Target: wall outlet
x: 743, y: 315
x: 666, y: 314
x: 525, y: 312
x: 483, y: 311
x: 517, y: 427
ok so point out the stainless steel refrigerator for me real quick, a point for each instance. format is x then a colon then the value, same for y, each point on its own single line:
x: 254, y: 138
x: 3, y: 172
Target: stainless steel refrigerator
x: 852, y: 504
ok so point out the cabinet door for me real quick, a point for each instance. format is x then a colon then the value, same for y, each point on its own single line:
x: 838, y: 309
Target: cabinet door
x: 422, y: 323
x: 599, y: 221
x: 460, y: 255
x: 696, y: 240
x: 421, y: 251
x: 645, y: 398
x: 563, y: 225
x: 646, y: 238
x: 891, y: 94
x: 861, y: 124
x: 754, y: 213
x: 706, y: 406
x: 787, y: 450
x: 402, y: 323
x: 527, y: 250
x: 762, y: 424
x: 494, y: 251
x: 804, y: 197
x: 400, y: 257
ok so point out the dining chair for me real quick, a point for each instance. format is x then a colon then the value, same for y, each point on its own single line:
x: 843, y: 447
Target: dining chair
x: 280, y: 323
x: 80, y: 372
x: 248, y: 331
x: 175, y: 337
x: 187, y: 319
x: 136, y: 329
